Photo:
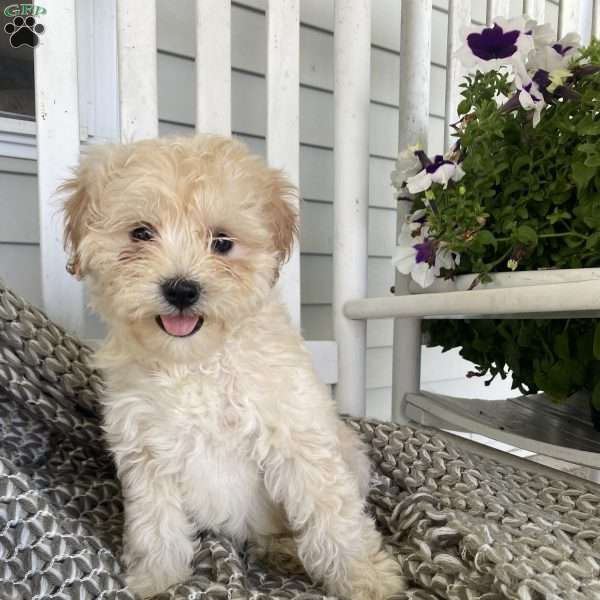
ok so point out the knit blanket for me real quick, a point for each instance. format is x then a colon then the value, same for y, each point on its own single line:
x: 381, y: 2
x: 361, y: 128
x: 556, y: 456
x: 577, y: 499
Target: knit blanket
x: 463, y: 524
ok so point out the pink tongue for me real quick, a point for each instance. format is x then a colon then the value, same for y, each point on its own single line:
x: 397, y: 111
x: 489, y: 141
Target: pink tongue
x: 178, y: 325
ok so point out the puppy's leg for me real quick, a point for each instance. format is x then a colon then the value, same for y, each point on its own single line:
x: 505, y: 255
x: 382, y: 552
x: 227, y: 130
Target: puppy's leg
x: 354, y: 452
x: 337, y: 541
x: 158, y: 535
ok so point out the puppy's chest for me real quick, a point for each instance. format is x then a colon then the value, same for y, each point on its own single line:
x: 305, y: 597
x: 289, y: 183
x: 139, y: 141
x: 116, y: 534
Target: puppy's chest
x: 211, y: 426
x: 203, y: 407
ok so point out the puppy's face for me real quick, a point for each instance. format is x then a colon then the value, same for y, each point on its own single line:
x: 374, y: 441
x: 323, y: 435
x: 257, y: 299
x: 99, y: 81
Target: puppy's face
x: 180, y: 239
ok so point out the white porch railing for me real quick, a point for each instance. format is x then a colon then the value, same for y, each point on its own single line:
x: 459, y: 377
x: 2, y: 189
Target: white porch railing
x: 57, y: 110
x: 352, y: 46
x: 138, y: 97
x: 213, y: 66
x: 283, y: 119
x: 58, y: 138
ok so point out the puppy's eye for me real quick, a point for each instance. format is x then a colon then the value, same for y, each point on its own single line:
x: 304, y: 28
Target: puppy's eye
x: 143, y: 233
x: 221, y: 243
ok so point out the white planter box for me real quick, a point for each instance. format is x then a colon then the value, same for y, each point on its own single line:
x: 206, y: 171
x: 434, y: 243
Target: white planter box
x: 550, y: 293
x: 509, y: 280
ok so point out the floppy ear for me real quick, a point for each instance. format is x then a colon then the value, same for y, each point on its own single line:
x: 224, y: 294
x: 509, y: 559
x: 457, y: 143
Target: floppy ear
x: 282, y: 214
x: 75, y: 210
x: 83, y: 192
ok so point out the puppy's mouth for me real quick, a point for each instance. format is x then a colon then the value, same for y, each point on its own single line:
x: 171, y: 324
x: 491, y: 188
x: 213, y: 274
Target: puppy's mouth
x: 180, y: 325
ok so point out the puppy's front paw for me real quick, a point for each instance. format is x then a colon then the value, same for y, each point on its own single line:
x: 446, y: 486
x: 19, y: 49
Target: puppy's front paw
x: 377, y: 579
x: 149, y: 582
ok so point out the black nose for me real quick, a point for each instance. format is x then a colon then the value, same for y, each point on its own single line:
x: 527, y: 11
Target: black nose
x: 181, y: 293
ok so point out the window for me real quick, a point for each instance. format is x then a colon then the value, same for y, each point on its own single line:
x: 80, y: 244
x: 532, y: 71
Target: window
x: 17, y: 98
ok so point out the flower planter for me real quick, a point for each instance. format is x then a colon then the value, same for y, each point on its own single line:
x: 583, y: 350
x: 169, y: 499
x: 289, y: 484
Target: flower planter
x: 508, y: 279
x: 515, y: 196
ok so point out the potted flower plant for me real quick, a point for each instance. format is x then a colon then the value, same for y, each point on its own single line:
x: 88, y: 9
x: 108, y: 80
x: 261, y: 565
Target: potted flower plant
x: 518, y: 191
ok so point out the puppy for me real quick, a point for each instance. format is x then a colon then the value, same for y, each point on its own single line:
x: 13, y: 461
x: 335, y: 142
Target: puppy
x: 213, y: 412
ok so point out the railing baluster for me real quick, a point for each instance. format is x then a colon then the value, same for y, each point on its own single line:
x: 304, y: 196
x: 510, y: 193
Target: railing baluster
x: 569, y: 15
x: 213, y: 66
x: 57, y: 118
x: 283, y: 119
x: 413, y: 121
x: 138, y: 100
x: 536, y: 9
x: 496, y: 8
x: 459, y: 16
x: 352, y: 60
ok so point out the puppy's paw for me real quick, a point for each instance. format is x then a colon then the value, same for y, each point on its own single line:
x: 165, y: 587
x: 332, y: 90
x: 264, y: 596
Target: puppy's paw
x: 377, y: 579
x: 148, y: 583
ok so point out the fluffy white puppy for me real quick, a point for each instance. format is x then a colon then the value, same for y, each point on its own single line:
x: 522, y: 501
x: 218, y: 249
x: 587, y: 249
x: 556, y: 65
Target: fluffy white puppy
x: 213, y: 412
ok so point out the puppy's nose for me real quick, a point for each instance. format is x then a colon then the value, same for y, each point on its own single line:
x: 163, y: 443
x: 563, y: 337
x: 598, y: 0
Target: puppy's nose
x: 181, y: 293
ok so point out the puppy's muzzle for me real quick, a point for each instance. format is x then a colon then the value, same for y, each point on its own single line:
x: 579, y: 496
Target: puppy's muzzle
x: 181, y: 293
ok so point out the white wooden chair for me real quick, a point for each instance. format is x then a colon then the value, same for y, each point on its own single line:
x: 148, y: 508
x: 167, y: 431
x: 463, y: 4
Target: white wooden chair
x: 342, y: 362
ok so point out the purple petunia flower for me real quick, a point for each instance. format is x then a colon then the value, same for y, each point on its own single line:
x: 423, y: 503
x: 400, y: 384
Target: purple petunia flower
x: 493, y: 43
x: 438, y: 162
x: 562, y: 50
x: 425, y: 251
x: 542, y: 78
x: 506, y: 42
x: 440, y: 170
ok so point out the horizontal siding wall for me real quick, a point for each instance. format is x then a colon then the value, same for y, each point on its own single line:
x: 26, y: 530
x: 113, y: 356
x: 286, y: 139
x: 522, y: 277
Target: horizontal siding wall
x: 20, y: 261
x: 19, y: 229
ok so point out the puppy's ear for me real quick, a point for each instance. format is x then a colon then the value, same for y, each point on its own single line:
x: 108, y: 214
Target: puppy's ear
x: 83, y: 193
x: 75, y: 210
x: 282, y: 214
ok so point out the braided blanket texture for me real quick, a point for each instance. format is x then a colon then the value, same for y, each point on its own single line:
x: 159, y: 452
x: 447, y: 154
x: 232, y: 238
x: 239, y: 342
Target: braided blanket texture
x: 462, y: 526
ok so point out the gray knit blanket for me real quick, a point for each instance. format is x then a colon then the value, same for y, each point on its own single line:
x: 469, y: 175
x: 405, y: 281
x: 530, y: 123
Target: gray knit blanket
x: 463, y: 526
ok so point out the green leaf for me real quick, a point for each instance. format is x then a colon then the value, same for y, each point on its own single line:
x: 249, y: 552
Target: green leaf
x: 464, y: 107
x: 596, y: 346
x: 582, y: 174
x: 588, y: 126
x: 526, y: 235
x: 592, y: 241
x: 486, y: 238
x: 520, y: 162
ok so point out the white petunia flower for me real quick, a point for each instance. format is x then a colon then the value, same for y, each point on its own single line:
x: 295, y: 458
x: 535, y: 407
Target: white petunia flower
x: 530, y: 97
x: 554, y: 57
x: 439, y: 171
x: 543, y: 35
x: 419, y: 255
x: 407, y: 165
x: 504, y: 43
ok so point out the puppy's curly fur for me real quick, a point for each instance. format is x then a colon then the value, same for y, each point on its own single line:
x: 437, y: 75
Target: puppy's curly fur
x: 226, y: 427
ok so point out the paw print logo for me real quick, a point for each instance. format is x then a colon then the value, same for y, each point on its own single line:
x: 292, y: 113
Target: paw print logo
x: 24, y: 32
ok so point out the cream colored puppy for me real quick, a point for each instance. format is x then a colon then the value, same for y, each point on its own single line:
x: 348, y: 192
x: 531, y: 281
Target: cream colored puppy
x: 213, y: 412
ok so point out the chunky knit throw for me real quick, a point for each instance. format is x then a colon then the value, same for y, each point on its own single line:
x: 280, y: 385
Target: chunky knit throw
x: 464, y: 524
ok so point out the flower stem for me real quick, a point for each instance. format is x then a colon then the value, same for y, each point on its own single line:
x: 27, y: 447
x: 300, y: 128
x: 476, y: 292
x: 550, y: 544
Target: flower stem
x: 543, y: 236
x: 499, y: 260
